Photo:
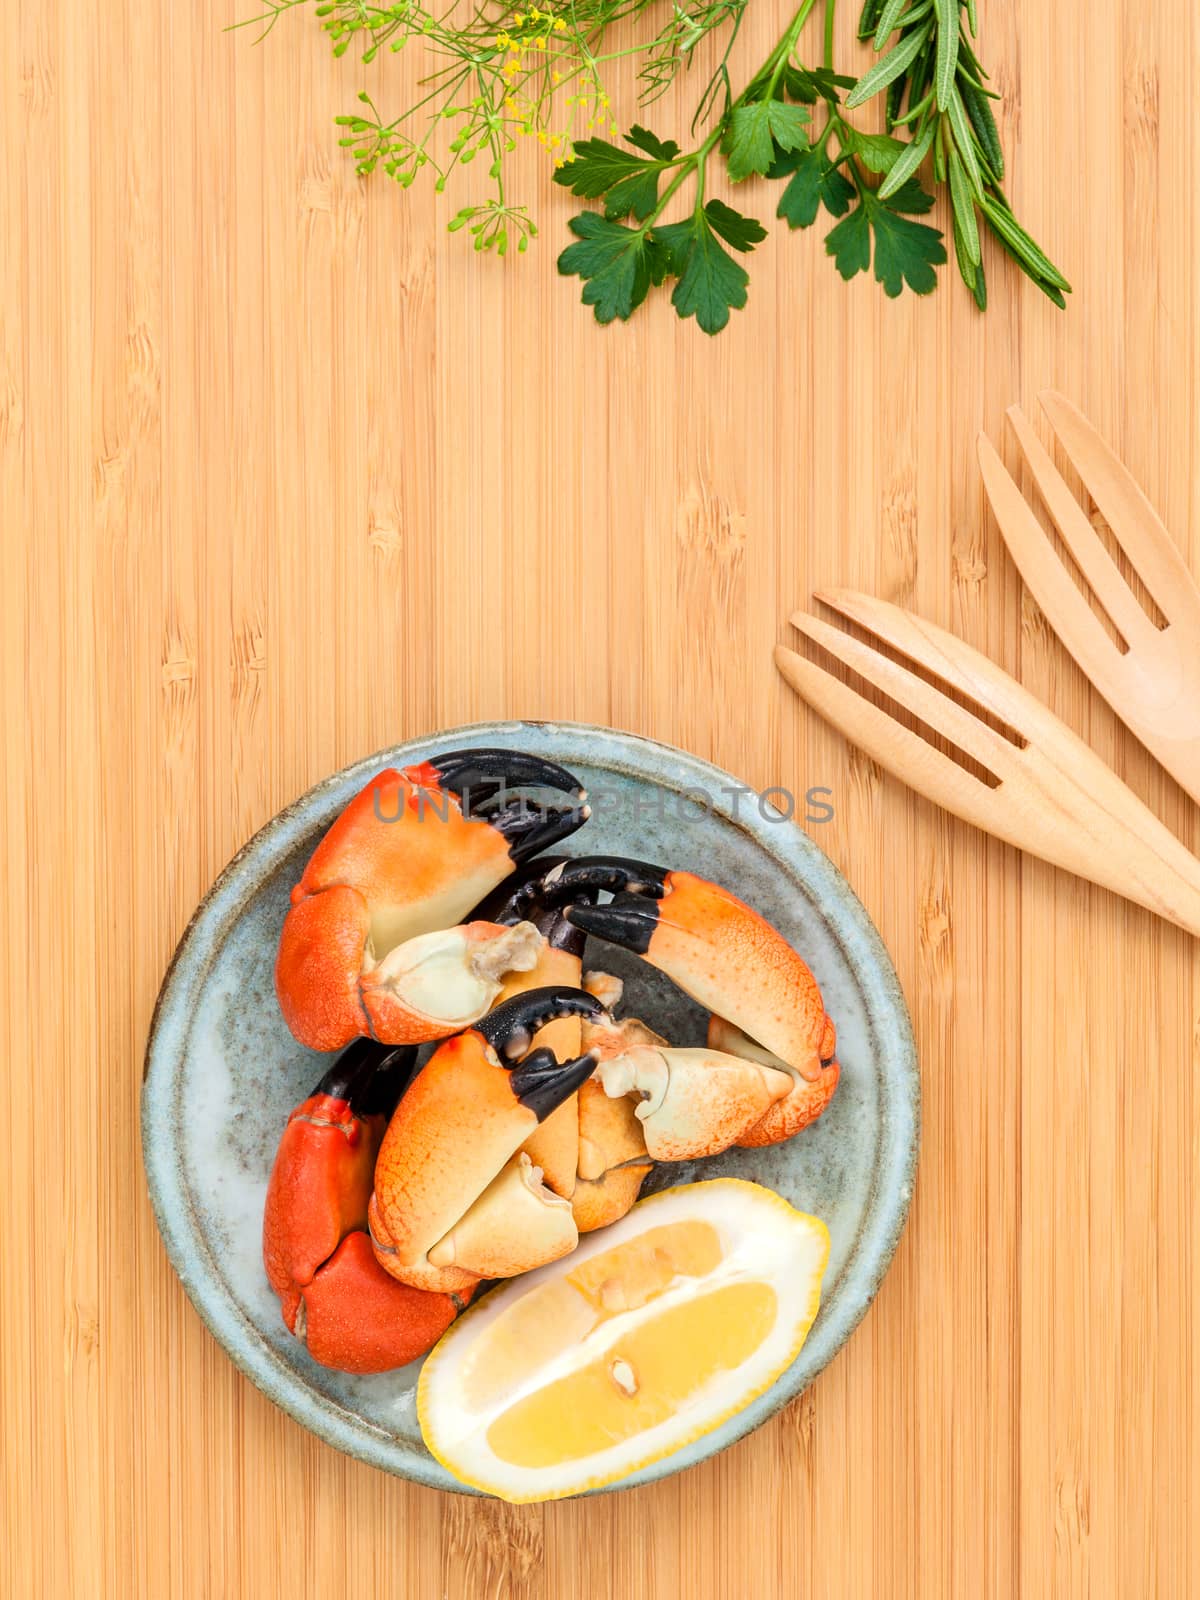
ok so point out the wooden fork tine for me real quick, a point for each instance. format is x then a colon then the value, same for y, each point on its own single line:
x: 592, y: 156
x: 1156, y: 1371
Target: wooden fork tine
x: 896, y: 748
x: 1134, y: 522
x: 1049, y: 581
x: 1080, y: 538
x: 934, y: 708
x: 942, y: 653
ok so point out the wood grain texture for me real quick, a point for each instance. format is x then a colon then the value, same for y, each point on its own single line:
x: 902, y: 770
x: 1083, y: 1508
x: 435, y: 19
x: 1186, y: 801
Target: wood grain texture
x: 286, y: 475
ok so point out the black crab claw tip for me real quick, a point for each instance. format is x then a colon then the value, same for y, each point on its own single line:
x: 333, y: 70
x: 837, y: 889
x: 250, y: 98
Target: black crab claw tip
x: 528, y: 828
x: 523, y: 897
x: 475, y: 769
x: 516, y: 898
x: 578, y: 876
x: 628, y: 920
x: 542, y: 1082
x: 370, y: 1076
x: 510, y: 1028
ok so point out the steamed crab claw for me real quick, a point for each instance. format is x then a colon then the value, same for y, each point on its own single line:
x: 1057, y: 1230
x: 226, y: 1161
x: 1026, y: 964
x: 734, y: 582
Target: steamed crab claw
x: 713, y: 945
x: 456, y: 1198
x: 692, y: 1103
x: 804, y: 1101
x: 335, y: 1297
x: 683, y: 1103
x: 369, y: 944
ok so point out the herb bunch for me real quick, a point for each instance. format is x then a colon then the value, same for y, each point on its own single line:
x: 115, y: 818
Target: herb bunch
x: 501, y: 71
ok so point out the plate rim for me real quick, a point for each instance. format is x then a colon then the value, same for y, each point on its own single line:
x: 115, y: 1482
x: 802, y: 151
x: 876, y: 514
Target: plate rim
x: 342, y: 1427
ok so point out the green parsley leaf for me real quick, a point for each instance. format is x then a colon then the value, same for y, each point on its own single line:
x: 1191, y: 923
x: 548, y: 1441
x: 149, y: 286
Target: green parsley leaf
x: 850, y: 243
x: 628, y: 182
x: 815, y: 181
x: 810, y: 84
x: 878, y: 152
x: 711, y: 283
x: 743, y: 233
x: 596, y: 167
x: 618, y: 264
x: 637, y: 193
x: 911, y: 198
x: 757, y: 129
x: 905, y: 251
x: 657, y: 149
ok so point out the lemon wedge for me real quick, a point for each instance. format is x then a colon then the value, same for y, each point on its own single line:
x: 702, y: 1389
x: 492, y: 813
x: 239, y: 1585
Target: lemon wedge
x: 650, y: 1334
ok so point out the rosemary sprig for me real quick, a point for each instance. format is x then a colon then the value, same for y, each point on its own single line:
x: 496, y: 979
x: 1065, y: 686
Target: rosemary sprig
x: 938, y: 96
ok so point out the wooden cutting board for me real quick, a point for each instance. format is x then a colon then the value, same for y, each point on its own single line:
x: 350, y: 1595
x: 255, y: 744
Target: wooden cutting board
x: 286, y: 474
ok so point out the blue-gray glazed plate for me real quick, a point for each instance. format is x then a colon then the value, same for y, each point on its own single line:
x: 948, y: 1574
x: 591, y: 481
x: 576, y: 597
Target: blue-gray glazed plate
x: 222, y: 1071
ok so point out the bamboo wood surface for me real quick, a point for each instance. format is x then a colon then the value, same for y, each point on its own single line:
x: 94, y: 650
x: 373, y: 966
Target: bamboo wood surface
x: 286, y: 474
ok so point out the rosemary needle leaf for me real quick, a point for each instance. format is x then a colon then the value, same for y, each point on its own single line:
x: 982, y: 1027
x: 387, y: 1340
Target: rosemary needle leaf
x: 889, y: 67
x: 964, y: 139
x: 972, y: 271
x: 963, y: 203
x: 947, y: 50
x: 983, y: 121
x: 870, y: 16
x: 908, y: 163
x: 888, y: 18
x: 1014, y: 237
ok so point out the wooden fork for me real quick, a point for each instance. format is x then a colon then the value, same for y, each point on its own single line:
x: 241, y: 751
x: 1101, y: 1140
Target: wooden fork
x: 1052, y: 796
x: 1154, y: 686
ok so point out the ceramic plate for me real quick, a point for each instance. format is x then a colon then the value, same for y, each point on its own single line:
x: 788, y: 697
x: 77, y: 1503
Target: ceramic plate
x: 222, y: 1071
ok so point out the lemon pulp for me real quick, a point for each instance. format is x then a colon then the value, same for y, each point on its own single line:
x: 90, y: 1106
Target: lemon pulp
x: 643, y: 1379
x: 550, y: 1319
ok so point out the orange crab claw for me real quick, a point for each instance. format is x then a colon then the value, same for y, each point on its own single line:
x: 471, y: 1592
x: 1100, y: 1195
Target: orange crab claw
x: 451, y: 1178
x: 803, y: 1103
x: 369, y: 945
x: 335, y: 1297
x: 693, y: 1103
x: 714, y: 946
